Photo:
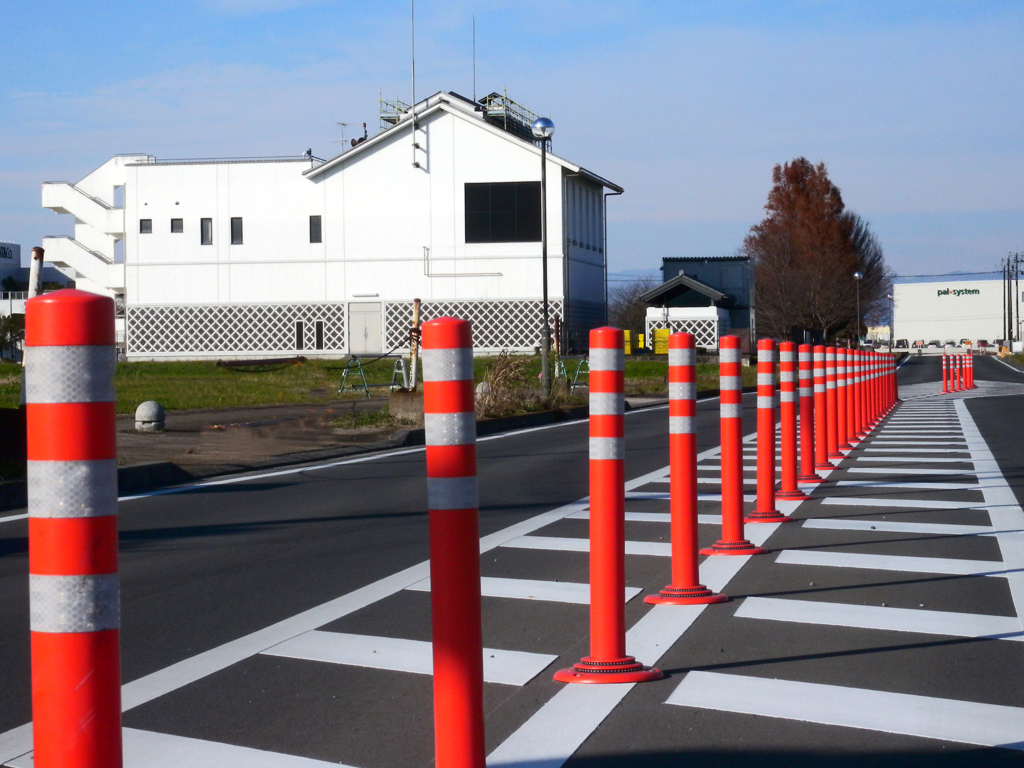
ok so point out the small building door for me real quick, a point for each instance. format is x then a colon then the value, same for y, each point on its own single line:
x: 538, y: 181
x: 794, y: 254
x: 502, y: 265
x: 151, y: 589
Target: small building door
x: 364, y: 328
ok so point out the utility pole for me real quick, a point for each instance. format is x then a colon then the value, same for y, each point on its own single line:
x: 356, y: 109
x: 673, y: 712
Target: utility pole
x: 1016, y: 294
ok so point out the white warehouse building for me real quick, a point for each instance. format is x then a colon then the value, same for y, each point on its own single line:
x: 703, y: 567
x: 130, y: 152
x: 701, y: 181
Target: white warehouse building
x: 955, y: 307
x: 255, y: 257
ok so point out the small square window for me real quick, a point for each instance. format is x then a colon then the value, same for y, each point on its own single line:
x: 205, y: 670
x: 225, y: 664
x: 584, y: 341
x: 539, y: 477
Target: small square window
x: 236, y: 230
x: 315, y: 231
x: 177, y: 225
x: 145, y: 226
x: 206, y: 231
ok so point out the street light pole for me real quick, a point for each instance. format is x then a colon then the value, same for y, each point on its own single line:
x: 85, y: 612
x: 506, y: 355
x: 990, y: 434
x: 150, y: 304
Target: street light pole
x: 856, y: 278
x: 892, y: 319
x: 543, y: 130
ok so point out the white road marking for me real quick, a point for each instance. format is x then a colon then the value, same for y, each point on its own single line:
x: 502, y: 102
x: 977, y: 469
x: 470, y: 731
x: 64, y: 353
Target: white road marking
x: 988, y: 725
x: 12, y: 518
x: 656, y: 496
x: 399, y: 655
x: 566, y: 544
x: 923, y: 486
x: 915, y: 459
x: 910, y: 471
x: 842, y: 524
x: 858, y: 501
x: 652, y: 517
x: 147, y: 749
x: 947, y: 566
x: 877, y: 617
x: 917, y: 450
x: 557, y: 729
x: 531, y: 589
x: 918, y: 443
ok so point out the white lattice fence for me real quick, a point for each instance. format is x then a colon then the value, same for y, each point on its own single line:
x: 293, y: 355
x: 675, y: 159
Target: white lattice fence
x: 497, y: 325
x: 206, y: 329
x: 705, y: 331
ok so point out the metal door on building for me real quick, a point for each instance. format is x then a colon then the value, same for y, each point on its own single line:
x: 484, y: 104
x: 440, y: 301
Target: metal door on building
x: 364, y: 328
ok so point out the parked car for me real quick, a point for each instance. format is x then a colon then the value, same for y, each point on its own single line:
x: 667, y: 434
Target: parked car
x: 951, y: 343
x: 901, y: 344
x: 918, y: 344
x: 965, y: 343
x: 982, y: 344
x: 934, y: 344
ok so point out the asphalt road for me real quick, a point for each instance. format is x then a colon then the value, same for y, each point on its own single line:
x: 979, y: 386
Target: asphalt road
x: 204, y: 570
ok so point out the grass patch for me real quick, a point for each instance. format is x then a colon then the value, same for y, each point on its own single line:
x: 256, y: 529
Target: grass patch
x: 201, y: 384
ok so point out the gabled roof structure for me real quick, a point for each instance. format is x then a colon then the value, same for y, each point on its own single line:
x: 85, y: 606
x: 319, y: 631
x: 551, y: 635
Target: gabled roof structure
x: 681, y: 284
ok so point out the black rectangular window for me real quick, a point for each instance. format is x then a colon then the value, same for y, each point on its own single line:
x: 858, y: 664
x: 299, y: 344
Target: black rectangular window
x: 177, y: 225
x: 206, y: 231
x: 299, y: 336
x: 236, y: 230
x: 503, y: 212
x: 315, y: 234
x: 319, y: 326
x: 145, y: 226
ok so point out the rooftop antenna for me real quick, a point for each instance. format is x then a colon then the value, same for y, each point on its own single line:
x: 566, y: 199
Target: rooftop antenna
x: 343, y: 126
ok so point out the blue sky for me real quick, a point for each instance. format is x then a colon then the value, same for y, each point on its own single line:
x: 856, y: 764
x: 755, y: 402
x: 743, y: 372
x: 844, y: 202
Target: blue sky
x: 917, y: 108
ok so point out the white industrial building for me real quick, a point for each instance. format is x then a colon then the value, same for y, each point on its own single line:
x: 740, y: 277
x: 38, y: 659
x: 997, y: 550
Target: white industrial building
x: 953, y: 307
x: 256, y: 257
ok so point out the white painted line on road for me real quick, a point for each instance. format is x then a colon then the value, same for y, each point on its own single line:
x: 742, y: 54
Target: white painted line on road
x: 550, y: 737
x: 400, y: 655
x: 532, y: 589
x: 923, y: 486
x: 915, y: 459
x: 567, y: 544
x: 656, y: 496
x: 652, y: 517
x: 147, y: 749
x: 916, y: 443
x: 877, y: 617
x: 939, y: 529
x: 859, y: 501
x: 911, y: 471
x: 1003, y: 508
x: 989, y: 725
x: 947, y: 566
x: 12, y: 518
x: 918, y: 450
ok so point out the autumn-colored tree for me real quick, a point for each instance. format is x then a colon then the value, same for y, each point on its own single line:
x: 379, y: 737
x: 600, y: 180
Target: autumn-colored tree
x: 805, y: 253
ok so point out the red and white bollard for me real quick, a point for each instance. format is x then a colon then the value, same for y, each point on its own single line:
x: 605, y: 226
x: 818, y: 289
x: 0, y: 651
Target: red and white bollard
x: 74, y: 590
x: 607, y: 662
x: 787, y: 414
x: 832, y: 404
x: 945, y: 373
x: 807, y: 474
x: 820, y: 412
x: 861, y: 395
x: 970, y: 369
x: 452, y: 498
x: 851, y: 398
x: 841, y: 400
x: 685, y: 588
x: 765, y: 511
x: 731, y: 404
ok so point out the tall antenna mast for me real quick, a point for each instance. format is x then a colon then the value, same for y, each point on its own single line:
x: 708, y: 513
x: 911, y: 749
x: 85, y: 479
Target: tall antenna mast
x: 474, y: 58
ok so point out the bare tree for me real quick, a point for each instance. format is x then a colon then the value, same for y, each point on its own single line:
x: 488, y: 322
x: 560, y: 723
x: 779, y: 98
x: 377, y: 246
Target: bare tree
x: 625, y: 310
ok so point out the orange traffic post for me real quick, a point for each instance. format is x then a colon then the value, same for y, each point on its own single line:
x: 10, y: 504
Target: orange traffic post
x: 788, y: 443
x: 765, y: 511
x: 954, y: 364
x: 832, y: 404
x: 74, y: 589
x: 945, y: 373
x: 961, y: 376
x: 851, y: 398
x: 806, y: 372
x: 861, y: 399
x: 841, y: 401
x: 820, y: 412
x: 685, y: 588
x: 731, y: 405
x: 607, y: 662
x: 970, y: 370
x: 452, y: 500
